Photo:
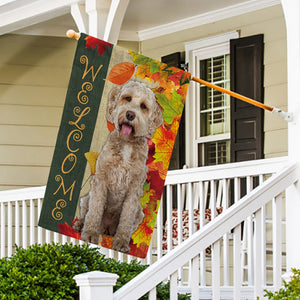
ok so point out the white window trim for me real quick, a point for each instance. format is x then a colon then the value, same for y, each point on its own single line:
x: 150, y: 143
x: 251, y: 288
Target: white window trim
x: 203, y: 48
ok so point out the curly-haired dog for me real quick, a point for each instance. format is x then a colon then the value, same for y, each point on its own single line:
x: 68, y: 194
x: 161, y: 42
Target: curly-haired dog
x: 113, y: 205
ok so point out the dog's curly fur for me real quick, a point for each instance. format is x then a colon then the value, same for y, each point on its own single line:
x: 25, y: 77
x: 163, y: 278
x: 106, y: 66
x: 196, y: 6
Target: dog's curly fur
x: 113, y: 205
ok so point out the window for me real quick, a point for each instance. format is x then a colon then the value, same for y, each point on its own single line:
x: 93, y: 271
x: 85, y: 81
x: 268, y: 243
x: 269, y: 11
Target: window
x: 208, y: 110
x: 214, y: 112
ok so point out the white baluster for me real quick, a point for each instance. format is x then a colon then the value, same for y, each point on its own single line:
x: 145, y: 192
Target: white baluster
x: 194, y: 282
x: 277, y: 241
x: 24, y: 224
x: 258, y: 255
x: 40, y: 230
x: 169, y: 217
x: 9, y: 229
x: 32, y: 222
x: 17, y: 223
x: 237, y: 268
x: 173, y: 286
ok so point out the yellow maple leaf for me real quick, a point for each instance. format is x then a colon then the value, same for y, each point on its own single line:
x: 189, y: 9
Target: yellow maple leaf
x: 91, y: 157
x: 143, y: 71
x: 142, y: 235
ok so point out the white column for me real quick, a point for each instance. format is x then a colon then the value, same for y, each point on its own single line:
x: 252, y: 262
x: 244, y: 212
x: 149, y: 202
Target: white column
x: 95, y: 285
x: 292, y: 17
x: 98, y: 11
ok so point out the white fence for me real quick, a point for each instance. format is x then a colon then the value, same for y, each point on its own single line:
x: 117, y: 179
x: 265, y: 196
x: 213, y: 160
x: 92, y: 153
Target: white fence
x: 188, y: 193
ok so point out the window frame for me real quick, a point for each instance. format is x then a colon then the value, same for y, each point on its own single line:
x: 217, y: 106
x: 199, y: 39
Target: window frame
x: 196, y: 51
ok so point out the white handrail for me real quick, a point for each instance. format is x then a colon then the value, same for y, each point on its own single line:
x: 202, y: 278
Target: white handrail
x: 210, y: 233
x: 23, y: 194
x: 232, y: 170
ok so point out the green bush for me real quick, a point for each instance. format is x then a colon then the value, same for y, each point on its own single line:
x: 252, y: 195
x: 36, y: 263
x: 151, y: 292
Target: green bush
x: 290, y: 291
x: 47, y: 271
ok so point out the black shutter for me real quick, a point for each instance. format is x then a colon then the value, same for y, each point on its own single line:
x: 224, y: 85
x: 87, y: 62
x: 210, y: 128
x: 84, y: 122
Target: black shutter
x: 246, y: 78
x: 178, y: 155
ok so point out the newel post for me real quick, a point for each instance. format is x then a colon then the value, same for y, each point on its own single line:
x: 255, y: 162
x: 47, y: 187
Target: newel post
x: 291, y: 10
x: 96, y: 285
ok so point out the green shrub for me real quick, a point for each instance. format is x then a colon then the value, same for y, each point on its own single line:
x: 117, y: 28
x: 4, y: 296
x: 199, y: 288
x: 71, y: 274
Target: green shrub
x: 290, y: 291
x: 47, y: 271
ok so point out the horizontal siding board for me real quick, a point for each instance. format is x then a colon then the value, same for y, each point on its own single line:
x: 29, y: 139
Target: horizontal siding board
x: 275, y: 74
x: 40, y: 76
x: 275, y: 51
x: 30, y: 115
x: 26, y: 155
x: 34, y: 56
x: 32, y: 95
x: 276, y: 141
x: 27, y: 135
x: 276, y: 95
x: 4, y: 187
x: 23, y: 175
x: 21, y: 41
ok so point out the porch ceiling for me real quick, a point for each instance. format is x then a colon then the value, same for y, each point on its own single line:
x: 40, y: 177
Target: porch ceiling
x: 144, y: 19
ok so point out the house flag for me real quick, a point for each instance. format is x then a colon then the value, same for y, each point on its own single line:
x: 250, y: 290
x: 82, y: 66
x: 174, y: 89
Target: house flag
x: 115, y: 141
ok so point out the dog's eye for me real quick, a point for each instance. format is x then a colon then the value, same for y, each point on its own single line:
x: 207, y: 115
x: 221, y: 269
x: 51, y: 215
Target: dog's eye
x: 127, y: 98
x: 143, y: 106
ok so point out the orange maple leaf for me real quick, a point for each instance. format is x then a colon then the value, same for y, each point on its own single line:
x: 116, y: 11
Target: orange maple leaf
x: 106, y: 241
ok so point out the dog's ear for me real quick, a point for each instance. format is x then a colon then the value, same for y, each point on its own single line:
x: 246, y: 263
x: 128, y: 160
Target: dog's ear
x: 155, y: 121
x: 111, y: 105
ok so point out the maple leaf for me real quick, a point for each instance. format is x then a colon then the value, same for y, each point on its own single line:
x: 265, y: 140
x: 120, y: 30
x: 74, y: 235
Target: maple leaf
x: 140, y: 59
x: 121, y: 73
x: 106, y: 241
x: 154, y: 212
x: 148, y: 193
x: 154, y: 66
x: 171, y: 108
x: 164, y: 141
x: 110, y: 126
x: 142, y: 235
x: 176, y: 77
x: 91, y: 157
x: 66, y: 229
x: 143, y: 71
x: 92, y: 42
x: 140, y: 251
x: 185, y: 78
x: 183, y: 91
x: 157, y: 169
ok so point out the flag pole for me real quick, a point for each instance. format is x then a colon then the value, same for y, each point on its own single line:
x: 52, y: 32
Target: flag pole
x: 285, y: 115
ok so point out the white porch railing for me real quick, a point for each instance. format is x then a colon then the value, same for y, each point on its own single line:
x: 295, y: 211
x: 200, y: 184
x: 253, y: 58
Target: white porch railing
x: 253, y: 205
x: 187, y: 191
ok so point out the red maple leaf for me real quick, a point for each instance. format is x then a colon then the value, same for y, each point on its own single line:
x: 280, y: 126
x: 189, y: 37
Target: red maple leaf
x: 94, y: 43
x: 66, y: 229
x: 176, y: 77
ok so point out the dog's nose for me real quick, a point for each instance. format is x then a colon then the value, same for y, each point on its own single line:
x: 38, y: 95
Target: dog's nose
x: 130, y: 115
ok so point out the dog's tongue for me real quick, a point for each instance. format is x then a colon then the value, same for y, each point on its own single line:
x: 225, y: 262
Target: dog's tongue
x: 126, y: 130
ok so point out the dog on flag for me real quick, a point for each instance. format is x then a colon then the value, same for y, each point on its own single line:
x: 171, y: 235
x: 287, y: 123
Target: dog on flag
x: 113, y: 205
